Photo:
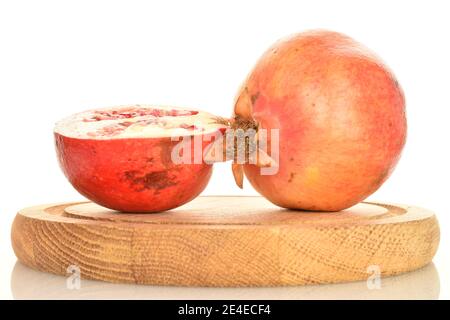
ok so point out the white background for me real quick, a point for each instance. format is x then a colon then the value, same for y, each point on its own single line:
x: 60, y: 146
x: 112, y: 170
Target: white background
x: 61, y: 57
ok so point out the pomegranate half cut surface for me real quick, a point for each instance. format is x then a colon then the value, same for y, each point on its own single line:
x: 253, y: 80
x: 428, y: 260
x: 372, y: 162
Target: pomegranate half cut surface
x: 137, y: 158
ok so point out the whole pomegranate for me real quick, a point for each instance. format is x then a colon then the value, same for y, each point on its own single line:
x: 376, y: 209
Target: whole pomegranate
x: 136, y: 158
x: 341, y: 119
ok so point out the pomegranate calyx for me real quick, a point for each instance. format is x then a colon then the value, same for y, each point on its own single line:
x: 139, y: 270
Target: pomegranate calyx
x: 239, y: 144
x: 244, y: 103
x: 238, y: 174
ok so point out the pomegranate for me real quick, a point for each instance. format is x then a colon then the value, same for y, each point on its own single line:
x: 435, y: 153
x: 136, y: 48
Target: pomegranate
x: 341, y: 119
x: 123, y: 158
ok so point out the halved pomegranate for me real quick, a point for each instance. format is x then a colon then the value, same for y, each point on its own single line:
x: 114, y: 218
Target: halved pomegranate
x: 137, y: 158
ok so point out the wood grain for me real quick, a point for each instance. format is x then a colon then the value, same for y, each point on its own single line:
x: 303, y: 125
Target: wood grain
x: 225, y: 241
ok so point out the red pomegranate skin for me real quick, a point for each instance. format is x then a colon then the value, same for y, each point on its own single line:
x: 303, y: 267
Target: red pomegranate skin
x: 130, y: 175
x: 341, y: 116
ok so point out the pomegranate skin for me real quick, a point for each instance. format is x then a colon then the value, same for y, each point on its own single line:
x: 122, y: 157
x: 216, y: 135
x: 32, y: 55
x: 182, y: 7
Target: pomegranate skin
x: 130, y: 175
x: 341, y: 119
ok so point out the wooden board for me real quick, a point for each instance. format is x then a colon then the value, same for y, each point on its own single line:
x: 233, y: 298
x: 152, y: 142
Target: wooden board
x: 226, y: 241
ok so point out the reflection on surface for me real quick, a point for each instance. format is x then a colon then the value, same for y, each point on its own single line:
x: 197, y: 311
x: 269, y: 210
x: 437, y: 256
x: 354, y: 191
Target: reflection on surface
x: 27, y: 283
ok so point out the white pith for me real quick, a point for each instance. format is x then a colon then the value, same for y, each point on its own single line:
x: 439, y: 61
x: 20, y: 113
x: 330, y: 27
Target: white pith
x: 76, y: 126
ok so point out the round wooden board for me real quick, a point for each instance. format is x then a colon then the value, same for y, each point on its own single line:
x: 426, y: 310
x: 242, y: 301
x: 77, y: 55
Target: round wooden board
x: 226, y: 241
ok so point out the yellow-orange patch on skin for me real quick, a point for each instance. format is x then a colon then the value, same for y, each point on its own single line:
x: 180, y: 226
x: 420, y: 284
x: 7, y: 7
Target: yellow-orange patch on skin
x: 312, y: 175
